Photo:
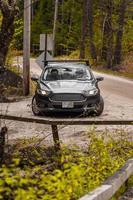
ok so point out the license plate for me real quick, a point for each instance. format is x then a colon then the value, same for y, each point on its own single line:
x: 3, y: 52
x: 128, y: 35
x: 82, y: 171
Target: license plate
x: 67, y: 104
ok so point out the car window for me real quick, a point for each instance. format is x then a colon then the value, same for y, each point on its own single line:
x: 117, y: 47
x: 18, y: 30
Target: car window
x: 66, y: 73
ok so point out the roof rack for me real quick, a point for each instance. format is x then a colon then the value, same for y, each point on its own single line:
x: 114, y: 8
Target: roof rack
x: 79, y: 60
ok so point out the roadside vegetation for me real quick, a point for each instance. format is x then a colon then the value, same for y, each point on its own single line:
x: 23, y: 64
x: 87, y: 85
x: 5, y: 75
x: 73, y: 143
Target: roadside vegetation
x: 31, y: 170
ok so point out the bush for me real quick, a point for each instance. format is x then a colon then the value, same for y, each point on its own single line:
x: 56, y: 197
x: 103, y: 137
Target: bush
x: 34, y: 172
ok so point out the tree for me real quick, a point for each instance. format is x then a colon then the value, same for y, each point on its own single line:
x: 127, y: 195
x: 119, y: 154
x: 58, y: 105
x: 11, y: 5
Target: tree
x: 8, y: 10
x: 68, y: 26
x: 107, y: 47
x: 84, y: 24
x: 83, y: 30
x: 87, y: 28
x: 43, y: 20
x: 119, y: 36
x: 55, y: 24
x: 90, y: 29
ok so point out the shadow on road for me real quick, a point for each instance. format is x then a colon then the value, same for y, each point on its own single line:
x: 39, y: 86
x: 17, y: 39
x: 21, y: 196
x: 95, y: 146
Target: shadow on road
x: 68, y: 115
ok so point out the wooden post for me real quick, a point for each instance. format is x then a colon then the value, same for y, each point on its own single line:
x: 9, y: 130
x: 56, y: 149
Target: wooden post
x: 126, y: 184
x: 2, y: 143
x: 26, y: 47
x: 56, y: 137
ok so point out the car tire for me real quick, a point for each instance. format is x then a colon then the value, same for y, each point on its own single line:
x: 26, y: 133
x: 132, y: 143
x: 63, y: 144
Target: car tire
x: 35, y: 109
x: 99, y: 107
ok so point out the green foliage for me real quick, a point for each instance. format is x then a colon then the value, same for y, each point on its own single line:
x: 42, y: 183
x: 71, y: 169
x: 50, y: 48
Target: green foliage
x: 43, y: 20
x: 69, y: 26
x: 34, y: 172
x: 17, y: 42
x: 68, y: 36
x: 128, y: 37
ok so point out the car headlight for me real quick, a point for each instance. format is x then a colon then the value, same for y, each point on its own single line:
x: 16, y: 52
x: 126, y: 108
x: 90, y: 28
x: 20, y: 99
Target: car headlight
x: 43, y: 90
x: 91, y: 92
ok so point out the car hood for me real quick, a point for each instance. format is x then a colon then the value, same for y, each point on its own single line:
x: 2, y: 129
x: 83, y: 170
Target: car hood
x: 69, y: 86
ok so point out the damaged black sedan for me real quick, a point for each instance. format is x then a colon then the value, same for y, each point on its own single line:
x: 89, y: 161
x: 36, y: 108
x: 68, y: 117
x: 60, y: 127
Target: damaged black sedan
x: 67, y: 87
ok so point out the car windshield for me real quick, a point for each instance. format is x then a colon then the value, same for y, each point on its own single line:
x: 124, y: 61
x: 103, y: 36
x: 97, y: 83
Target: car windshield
x: 66, y: 73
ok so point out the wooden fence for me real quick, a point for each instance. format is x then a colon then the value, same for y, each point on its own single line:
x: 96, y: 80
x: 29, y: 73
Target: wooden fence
x: 55, y: 122
x: 109, y: 188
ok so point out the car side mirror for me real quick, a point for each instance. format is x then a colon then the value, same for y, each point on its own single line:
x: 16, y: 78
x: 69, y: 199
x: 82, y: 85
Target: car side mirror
x: 99, y: 78
x: 35, y: 78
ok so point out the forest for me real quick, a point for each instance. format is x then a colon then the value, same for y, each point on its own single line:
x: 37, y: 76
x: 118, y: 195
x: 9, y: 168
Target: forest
x: 101, y: 30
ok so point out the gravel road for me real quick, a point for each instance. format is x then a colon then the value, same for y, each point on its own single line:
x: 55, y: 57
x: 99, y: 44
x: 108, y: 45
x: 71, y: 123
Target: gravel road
x: 118, y: 96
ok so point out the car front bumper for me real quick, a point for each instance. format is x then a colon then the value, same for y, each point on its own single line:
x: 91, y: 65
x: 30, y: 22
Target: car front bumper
x: 45, y: 104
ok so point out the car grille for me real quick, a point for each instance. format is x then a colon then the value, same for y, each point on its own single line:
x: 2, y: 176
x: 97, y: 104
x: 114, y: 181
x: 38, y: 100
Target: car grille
x: 67, y: 97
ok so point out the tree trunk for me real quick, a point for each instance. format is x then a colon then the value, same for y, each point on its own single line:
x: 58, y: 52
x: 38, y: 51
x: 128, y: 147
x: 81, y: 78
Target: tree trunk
x: 107, y: 49
x: 118, y: 47
x: 8, y: 10
x: 55, y: 24
x: 91, y: 32
x: 83, y: 30
x: 105, y: 35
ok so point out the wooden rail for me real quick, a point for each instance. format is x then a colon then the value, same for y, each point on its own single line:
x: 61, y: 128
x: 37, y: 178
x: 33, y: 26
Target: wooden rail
x: 78, y: 121
x: 112, y: 184
x: 55, y: 122
x: 3, y: 132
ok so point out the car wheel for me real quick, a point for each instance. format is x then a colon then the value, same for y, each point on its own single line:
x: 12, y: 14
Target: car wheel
x: 99, y: 107
x: 35, y: 109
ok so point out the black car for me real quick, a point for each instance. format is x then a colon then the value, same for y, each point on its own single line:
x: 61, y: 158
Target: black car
x: 69, y: 87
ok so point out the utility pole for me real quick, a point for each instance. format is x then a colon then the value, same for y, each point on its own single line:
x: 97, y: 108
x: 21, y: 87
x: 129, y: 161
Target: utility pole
x: 55, y: 24
x: 32, y: 10
x: 26, y: 47
x: 45, y: 51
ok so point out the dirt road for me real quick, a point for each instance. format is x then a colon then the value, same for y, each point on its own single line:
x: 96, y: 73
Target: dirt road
x: 118, y: 96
